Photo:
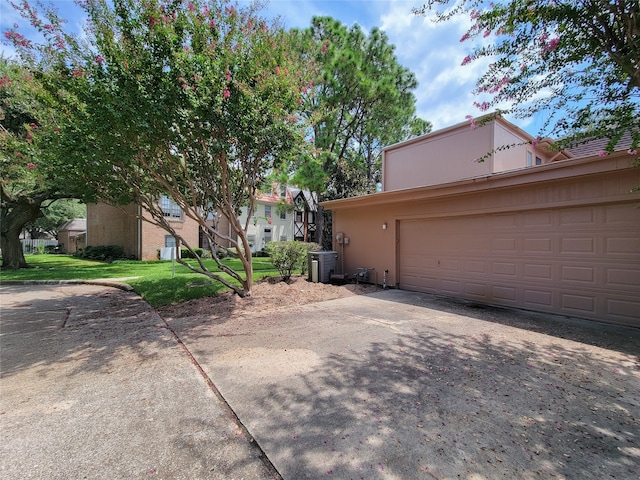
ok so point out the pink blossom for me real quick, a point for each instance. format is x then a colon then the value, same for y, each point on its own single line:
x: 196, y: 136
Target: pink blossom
x: 603, y: 153
x: 472, y: 122
x: 632, y: 152
x: 277, y: 70
x: 5, y: 80
x: 466, y: 60
x: 228, y: 75
x: 535, y: 142
x: 31, y: 166
x: 17, y: 39
x: 552, y: 45
x: 465, y: 37
x: 299, y: 101
x: 99, y: 59
x: 226, y: 94
x: 484, y: 106
x: 486, y: 33
x: 185, y: 86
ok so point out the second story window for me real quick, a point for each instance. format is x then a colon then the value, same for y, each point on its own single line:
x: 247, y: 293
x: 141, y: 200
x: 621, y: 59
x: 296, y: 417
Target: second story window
x: 170, y: 209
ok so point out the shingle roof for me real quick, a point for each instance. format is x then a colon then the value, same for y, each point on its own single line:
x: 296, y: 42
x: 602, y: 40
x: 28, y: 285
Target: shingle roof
x: 592, y: 147
x: 75, y: 225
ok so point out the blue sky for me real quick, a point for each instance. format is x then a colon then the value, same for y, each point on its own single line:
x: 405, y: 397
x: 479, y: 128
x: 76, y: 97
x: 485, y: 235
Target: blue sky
x: 433, y: 52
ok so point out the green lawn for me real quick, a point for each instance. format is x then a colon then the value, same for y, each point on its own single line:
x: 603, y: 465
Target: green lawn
x: 159, y: 283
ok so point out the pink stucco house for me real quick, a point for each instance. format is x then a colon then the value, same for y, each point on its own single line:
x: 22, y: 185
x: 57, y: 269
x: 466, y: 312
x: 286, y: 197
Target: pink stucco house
x: 529, y: 227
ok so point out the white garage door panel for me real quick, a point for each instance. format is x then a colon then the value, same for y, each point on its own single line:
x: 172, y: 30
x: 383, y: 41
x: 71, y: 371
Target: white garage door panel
x: 581, y: 261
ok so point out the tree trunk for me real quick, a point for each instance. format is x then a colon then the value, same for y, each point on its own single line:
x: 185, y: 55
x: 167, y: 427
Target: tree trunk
x: 13, y: 222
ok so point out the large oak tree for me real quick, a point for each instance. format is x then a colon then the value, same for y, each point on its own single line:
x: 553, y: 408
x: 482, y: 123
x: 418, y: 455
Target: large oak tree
x: 32, y: 175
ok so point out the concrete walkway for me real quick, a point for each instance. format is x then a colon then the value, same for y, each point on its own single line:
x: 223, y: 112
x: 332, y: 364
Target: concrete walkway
x: 94, y: 385
x: 395, y: 385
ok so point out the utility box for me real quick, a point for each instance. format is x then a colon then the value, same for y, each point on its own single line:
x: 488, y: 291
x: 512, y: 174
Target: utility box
x: 322, y: 265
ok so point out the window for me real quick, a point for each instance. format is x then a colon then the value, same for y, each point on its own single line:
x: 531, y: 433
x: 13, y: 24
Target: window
x: 267, y: 212
x: 283, y: 192
x: 170, y: 209
x: 529, y: 159
x: 538, y: 161
x: 283, y: 215
x: 267, y: 236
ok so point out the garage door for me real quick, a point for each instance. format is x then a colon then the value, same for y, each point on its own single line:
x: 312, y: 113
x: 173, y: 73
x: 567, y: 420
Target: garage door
x: 582, y: 262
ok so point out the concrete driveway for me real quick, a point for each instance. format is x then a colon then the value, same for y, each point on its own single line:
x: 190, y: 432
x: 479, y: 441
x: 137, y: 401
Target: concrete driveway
x: 394, y: 385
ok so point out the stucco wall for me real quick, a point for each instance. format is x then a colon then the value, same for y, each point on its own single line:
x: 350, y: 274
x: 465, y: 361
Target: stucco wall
x: 562, y: 185
x: 441, y: 157
x: 450, y: 155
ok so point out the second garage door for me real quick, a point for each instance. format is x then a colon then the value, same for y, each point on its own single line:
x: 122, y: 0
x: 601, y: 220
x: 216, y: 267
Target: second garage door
x: 582, y: 262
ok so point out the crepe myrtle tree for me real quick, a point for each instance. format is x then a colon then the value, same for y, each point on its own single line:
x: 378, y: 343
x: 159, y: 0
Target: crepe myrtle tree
x: 192, y: 100
x: 578, y: 62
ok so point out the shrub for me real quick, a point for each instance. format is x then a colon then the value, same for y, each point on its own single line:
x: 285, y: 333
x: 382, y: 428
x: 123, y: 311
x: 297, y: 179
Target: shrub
x: 185, y: 253
x: 310, y: 247
x: 106, y: 253
x: 288, y: 256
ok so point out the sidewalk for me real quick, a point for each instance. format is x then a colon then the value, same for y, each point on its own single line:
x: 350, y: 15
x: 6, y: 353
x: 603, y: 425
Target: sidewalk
x: 94, y: 385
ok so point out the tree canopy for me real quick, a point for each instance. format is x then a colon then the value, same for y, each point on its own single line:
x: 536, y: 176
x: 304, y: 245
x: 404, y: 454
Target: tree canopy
x: 54, y: 215
x: 362, y: 100
x: 192, y: 100
x: 32, y: 175
x: 578, y: 63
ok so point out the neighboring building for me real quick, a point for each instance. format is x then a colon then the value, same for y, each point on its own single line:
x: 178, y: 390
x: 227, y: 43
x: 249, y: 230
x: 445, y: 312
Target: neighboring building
x: 528, y: 228
x: 72, y: 235
x: 283, y: 214
x: 123, y: 226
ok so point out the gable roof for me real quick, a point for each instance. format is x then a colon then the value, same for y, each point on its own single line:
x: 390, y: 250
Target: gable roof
x: 309, y: 197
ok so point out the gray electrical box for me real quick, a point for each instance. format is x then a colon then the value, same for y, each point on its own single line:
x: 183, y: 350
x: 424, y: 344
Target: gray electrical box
x: 322, y: 265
